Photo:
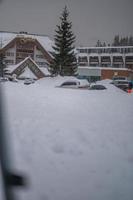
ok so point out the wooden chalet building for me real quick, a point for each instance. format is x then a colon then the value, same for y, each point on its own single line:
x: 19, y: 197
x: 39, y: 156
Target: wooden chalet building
x: 23, y: 50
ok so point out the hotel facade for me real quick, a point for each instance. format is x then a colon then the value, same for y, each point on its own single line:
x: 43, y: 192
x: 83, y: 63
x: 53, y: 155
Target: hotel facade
x: 98, y: 63
x: 26, y: 52
x: 31, y: 54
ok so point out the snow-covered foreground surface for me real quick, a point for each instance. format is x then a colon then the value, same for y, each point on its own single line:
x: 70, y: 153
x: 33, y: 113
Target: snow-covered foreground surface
x: 71, y: 144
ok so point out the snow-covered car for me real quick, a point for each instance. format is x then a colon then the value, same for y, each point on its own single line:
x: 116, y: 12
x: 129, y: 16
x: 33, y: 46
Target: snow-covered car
x: 122, y: 84
x: 29, y: 81
x: 77, y: 84
x: 13, y: 79
x: 115, y: 79
x: 97, y: 87
x: 3, y: 79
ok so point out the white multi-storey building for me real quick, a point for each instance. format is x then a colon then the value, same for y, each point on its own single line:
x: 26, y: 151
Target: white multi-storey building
x: 105, y: 62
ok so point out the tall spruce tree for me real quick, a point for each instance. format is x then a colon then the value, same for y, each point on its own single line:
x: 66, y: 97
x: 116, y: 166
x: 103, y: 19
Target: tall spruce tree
x: 98, y: 44
x: 64, y: 60
x: 123, y: 41
x: 130, y: 42
x: 116, y: 41
x: 3, y: 68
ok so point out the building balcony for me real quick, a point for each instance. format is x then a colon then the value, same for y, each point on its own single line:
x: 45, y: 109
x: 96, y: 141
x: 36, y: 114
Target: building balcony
x: 83, y: 63
x: 129, y: 59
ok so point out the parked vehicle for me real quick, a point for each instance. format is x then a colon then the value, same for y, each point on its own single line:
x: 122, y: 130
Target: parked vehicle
x: 12, y: 79
x: 29, y: 81
x: 77, y: 84
x: 130, y: 86
x: 97, y: 87
x: 122, y: 84
x: 115, y: 79
x: 3, y: 79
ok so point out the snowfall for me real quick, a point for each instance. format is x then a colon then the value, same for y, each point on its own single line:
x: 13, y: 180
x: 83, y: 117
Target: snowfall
x: 70, y: 144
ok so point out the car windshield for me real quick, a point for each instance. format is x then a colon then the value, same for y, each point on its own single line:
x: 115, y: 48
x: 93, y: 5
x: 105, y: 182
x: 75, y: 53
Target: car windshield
x: 119, y: 78
x: 69, y: 83
x: 98, y: 87
x: 122, y: 82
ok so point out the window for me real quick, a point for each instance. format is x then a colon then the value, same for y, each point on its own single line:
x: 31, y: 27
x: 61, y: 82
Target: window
x: 83, y: 51
x: 42, y: 64
x: 70, y: 83
x: 94, y: 59
x: 99, y: 51
x: 129, y: 59
x: 9, y: 54
x: 118, y: 59
x: 105, y: 59
x: 114, y: 50
x: 9, y: 62
x: 89, y: 50
x: 83, y: 59
x: 39, y: 56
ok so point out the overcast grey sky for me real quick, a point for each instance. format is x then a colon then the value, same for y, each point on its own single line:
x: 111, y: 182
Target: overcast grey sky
x: 92, y: 19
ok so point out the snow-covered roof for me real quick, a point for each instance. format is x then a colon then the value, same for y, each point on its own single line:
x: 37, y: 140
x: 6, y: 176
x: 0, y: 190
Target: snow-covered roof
x: 44, y: 70
x: 11, y: 68
x: 106, y: 47
x: 117, y: 54
x: 107, y: 68
x: 93, y: 54
x: 105, y: 54
x: 45, y: 41
x: 27, y: 73
x: 83, y: 54
x: 128, y: 54
x: 5, y: 38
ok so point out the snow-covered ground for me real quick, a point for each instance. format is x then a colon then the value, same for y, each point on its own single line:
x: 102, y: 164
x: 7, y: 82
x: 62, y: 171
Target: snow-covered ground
x: 71, y: 144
